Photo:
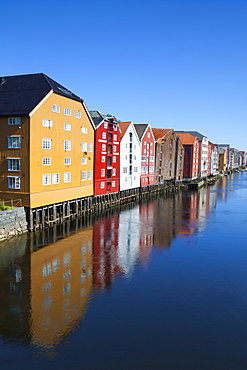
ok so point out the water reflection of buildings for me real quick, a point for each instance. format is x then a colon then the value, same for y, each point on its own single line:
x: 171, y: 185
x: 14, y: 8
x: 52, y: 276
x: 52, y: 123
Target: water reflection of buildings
x: 61, y: 281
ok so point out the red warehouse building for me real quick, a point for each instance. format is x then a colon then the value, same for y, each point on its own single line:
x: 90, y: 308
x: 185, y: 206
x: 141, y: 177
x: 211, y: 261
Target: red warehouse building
x: 147, y: 140
x: 107, y: 154
x: 191, y: 156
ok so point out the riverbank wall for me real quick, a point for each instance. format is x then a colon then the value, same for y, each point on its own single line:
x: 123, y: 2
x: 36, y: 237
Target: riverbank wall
x: 13, y: 222
x: 42, y: 217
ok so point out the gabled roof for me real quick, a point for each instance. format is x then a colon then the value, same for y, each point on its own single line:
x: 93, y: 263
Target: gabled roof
x: 186, y: 138
x: 140, y: 129
x: 160, y: 133
x: 19, y: 95
x: 97, y: 117
x: 123, y: 127
x: 195, y: 133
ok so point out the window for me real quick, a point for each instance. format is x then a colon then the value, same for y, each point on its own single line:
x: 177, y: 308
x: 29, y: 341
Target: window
x: 90, y: 147
x: 46, y: 161
x: 14, y: 142
x: 55, y: 178
x: 77, y: 114
x: 14, y: 121
x: 14, y: 182
x: 105, y: 125
x: 114, y: 159
x: 125, y: 169
x: 67, y: 112
x: 144, y: 151
x: 151, y: 169
x: 67, y: 126
x: 103, y: 147
x: 46, y: 122
x: 135, y: 169
x: 114, y: 148
x: 89, y: 175
x: 67, y: 177
x: 55, y: 108
x: 115, y: 127
x: 126, y: 157
x: 103, y: 135
x: 115, y: 137
x: 46, y: 179
x: 83, y: 147
x: 84, y: 161
x: 83, y: 175
x: 102, y: 172
x: 46, y: 143
x: 126, y: 145
x: 14, y: 164
x: 145, y: 143
x: 84, y: 130
x: 67, y: 161
x: 114, y: 172
x: 67, y: 144
x: 151, y: 158
x: 102, y: 185
x: 103, y: 158
x: 148, y: 135
x: 134, y: 157
x: 113, y: 184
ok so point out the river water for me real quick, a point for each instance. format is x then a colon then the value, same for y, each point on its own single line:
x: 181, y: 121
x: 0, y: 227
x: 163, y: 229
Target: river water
x: 158, y: 285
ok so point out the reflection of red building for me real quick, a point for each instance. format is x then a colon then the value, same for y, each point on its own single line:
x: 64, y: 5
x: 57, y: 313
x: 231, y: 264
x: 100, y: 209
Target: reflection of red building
x: 190, y: 203
x: 105, y: 241
x: 107, y: 154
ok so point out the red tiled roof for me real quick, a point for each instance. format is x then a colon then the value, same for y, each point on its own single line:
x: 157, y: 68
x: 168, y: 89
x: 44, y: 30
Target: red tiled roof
x: 186, y: 139
x: 160, y: 132
x: 123, y: 127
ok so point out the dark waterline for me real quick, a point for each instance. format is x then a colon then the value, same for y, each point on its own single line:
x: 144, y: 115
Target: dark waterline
x: 159, y: 285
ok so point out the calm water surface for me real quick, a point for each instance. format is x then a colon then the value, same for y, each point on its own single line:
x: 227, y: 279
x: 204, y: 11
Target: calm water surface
x: 160, y: 285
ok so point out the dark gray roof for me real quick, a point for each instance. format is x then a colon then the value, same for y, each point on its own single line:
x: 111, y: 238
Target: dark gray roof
x: 97, y: 117
x: 140, y: 129
x: 195, y: 133
x: 19, y: 95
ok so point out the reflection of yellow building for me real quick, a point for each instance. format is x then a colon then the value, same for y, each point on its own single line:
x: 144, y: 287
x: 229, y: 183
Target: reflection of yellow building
x: 61, y: 281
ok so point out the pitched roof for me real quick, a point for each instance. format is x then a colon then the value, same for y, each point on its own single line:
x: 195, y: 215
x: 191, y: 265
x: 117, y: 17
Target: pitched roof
x: 160, y: 132
x: 97, y: 117
x: 186, y: 138
x: 195, y: 133
x: 140, y: 129
x: 19, y: 95
x: 123, y: 127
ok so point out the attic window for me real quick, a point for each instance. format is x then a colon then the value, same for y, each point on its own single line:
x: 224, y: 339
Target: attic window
x: 14, y: 120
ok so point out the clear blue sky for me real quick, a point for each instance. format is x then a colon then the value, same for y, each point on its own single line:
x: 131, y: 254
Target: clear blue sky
x: 175, y: 64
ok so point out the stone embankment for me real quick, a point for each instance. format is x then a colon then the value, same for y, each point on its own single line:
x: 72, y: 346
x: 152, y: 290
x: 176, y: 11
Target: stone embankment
x: 12, y: 222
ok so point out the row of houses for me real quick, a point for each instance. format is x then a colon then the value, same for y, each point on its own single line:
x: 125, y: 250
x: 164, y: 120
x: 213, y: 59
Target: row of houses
x: 53, y: 149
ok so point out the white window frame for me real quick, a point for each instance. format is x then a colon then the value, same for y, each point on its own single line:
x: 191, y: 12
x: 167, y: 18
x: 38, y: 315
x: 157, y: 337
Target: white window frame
x: 114, y: 148
x: 67, y: 111
x: 14, y: 121
x: 55, y: 108
x: 103, y: 158
x: 84, y: 130
x: 46, y: 143
x: 67, y: 161
x: 84, y: 161
x: 14, y: 182
x: 102, y: 172
x: 89, y: 175
x: 46, y: 179
x: 114, y: 159
x: 83, y: 175
x: 67, y: 127
x: 46, y: 122
x: 84, y: 147
x: 103, y: 148
x: 105, y: 125
x: 102, y: 185
x: 114, y: 172
x: 113, y: 184
x: 114, y: 137
x: 67, y: 177
x: 90, y: 147
x: 46, y: 161
x: 103, y: 135
x: 11, y: 139
x: 77, y: 114
x: 12, y: 163
x: 55, y: 178
x: 67, y: 145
